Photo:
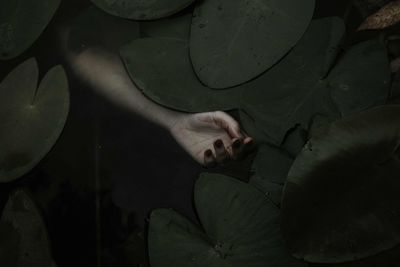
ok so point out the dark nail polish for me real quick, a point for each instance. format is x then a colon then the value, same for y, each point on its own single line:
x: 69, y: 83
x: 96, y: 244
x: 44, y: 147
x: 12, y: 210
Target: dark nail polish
x: 219, y: 143
x: 237, y: 144
x: 208, y: 153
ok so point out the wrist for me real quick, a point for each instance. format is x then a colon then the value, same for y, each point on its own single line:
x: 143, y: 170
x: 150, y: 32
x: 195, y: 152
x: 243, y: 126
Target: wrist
x: 171, y: 119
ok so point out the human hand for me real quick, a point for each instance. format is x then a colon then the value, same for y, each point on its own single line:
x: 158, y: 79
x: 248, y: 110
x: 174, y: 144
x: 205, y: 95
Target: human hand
x: 211, y: 137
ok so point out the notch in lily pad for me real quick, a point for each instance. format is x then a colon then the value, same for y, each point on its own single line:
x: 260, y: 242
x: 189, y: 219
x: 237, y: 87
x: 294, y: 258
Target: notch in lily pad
x: 233, y: 42
x: 241, y: 228
x: 21, y: 23
x: 341, y: 200
x: 142, y: 9
x: 32, y: 117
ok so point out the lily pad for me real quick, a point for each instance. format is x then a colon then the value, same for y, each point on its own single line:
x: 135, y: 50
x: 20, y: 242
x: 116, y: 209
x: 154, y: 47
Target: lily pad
x: 168, y: 77
x: 173, y: 27
x: 241, y: 229
x: 271, y: 190
x: 390, y: 258
x: 24, y: 241
x: 249, y: 126
x: 294, y: 141
x: 319, y: 125
x: 233, y: 42
x: 272, y: 164
x: 21, y: 23
x: 167, y: 229
x: 304, y: 84
x: 31, y: 117
x: 341, y: 200
x: 95, y: 28
x: 142, y: 9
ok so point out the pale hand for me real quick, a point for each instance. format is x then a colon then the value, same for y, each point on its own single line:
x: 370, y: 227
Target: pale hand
x: 211, y: 137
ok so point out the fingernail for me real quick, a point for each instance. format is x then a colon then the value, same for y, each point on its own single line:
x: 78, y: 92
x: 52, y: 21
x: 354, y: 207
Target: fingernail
x: 237, y: 144
x: 208, y: 153
x: 219, y: 143
x: 251, y: 142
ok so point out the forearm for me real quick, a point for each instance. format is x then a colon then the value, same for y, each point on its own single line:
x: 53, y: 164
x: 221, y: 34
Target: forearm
x: 106, y: 74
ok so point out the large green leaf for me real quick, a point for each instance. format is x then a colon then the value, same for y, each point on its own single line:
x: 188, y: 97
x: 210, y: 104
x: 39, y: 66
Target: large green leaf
x: 272, y: 164
x: 177, y: 27
x: 24, y: 241
x: 389, y: 258
x: 175, y: 241
x: 232, y: 42
x: 341, y: 200
x: 31, y: 117
x: 21, y: 23
x: 272, y: 191
x: 270, y: 99
x: 250, y: 127
x: 142, y: 9
x: 168, y: 77
x: 241, y: 229
x: 95, y: 28
x: 294, y: 141
x: 301, y: 85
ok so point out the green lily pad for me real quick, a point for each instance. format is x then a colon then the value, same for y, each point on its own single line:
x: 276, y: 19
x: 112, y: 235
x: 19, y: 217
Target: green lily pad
x: 272, y: 164
x: 95, y: 28
x: 241, y: 229
x: 232, y: 42
x: 175, y: 241
x: 249, y: 126
x: 21, y: 23
x: 294, y: 141
x: 168, y: 77
x: 390, y: 258
x: 303, y: 85
x: 341, y: 200
x: 31, y: 117
x: 24, y: 241
x: 395, y: 91
x: 173, y: 27
x: 271, y: 190
x: 319, y: 125
x: 142, y: 9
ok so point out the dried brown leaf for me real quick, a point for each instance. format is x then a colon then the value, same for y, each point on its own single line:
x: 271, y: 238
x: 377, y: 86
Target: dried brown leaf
x: 387, y: 16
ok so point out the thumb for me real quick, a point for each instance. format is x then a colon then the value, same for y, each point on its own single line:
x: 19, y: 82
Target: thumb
x: 228, y: 123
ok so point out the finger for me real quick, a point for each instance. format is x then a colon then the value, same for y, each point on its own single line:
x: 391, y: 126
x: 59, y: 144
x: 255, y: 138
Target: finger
x: 248, y: 145
x: 228, y: 123
x: 237, y: 146
x: 221, y: 154
x: 209, y: 159
x: 248, y: 141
